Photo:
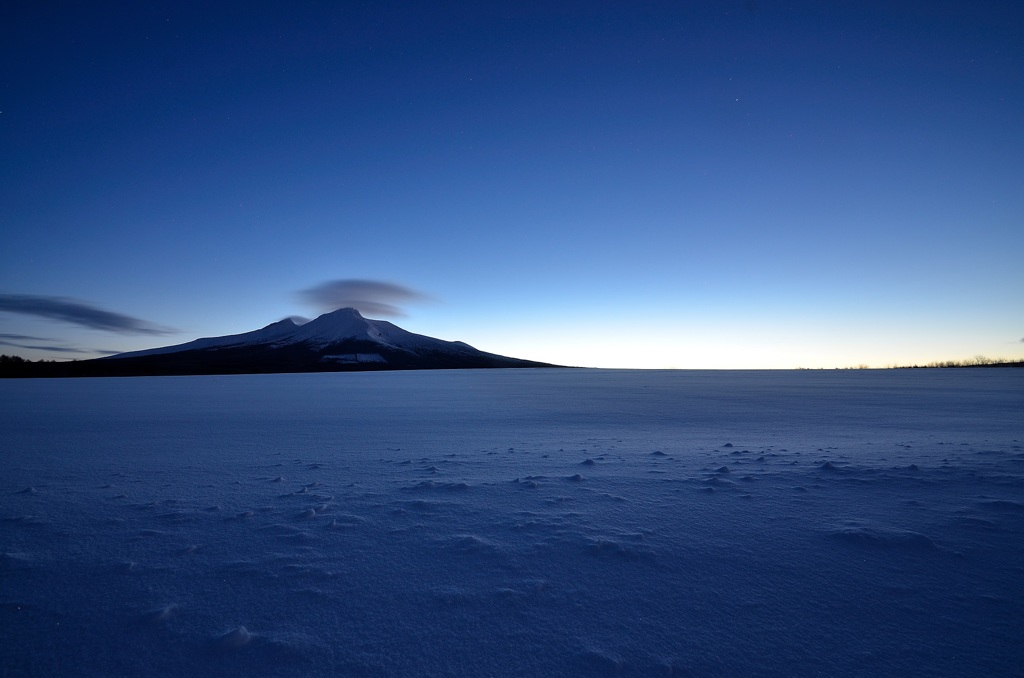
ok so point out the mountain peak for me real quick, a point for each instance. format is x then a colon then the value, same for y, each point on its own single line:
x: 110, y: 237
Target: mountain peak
x: 344, y: 323
x: 345, y: 310
x: 283, y: 323
x: 339, y: 340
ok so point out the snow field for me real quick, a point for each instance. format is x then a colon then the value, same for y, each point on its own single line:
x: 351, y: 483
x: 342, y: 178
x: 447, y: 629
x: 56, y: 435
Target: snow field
x: 521, y: 522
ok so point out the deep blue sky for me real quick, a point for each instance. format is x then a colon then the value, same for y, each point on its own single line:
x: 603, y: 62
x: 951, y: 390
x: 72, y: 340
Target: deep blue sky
x: 650, y: 184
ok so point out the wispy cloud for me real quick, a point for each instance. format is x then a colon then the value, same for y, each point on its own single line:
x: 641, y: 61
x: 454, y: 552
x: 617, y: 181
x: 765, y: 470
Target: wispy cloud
x: 370, y: 297
x: 78, y: 313
x: 4, y: 338
x: 50, y: 344
x: 42, y: 347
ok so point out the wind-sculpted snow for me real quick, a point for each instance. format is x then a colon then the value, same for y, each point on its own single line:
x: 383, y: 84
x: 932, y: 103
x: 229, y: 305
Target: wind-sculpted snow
x: 514, y: 523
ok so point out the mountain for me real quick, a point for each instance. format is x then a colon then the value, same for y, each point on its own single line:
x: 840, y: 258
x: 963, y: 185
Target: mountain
x: 340, y: 341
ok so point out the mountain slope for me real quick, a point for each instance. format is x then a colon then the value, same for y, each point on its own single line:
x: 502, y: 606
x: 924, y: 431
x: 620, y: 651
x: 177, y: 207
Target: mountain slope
x: 342, y: 340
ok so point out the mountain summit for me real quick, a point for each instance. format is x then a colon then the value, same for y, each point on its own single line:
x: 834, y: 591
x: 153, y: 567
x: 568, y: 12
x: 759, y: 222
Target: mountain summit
x: 340, y: 341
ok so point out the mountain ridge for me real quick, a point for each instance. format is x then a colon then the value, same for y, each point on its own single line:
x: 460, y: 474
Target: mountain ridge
x: 339, y: 341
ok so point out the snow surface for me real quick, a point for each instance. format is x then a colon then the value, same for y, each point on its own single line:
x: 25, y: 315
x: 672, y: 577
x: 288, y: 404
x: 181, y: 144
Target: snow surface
x: 515, y: 523
x: 354, y: 358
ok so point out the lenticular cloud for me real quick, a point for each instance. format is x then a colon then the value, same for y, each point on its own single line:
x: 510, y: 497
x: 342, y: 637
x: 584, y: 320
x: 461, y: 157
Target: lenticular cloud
x: 370, y: 297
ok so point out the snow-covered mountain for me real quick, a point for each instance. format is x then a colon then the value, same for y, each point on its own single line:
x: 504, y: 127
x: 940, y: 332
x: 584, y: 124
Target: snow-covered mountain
x: 338, y: 341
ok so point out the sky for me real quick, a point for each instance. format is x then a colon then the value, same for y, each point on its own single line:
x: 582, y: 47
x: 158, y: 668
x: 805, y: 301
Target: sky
x: 748, y: 184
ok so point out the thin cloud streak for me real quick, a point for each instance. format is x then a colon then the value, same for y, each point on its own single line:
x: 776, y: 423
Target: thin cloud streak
x: 17, y: 341
x: 370, y: 297
x: 21, y: 337
x: 78, y: 313
x: 34, y: 347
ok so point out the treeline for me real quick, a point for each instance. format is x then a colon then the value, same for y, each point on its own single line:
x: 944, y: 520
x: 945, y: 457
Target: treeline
x: 976, y: 361
x: 18, y: 360
x: 16, y: 366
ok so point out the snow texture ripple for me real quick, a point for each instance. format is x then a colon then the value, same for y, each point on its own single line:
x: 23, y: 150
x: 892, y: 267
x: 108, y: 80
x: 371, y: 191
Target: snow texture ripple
x: 515, y: 523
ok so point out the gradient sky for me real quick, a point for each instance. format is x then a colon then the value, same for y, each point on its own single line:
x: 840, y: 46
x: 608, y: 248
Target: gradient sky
x: 615, y: 184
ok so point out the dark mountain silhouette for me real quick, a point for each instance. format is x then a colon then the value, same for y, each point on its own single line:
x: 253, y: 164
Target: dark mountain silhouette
x: 340, y: 341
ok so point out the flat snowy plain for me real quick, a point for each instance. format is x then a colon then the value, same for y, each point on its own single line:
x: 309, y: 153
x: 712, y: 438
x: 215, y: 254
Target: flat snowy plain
x: 515, y: 523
